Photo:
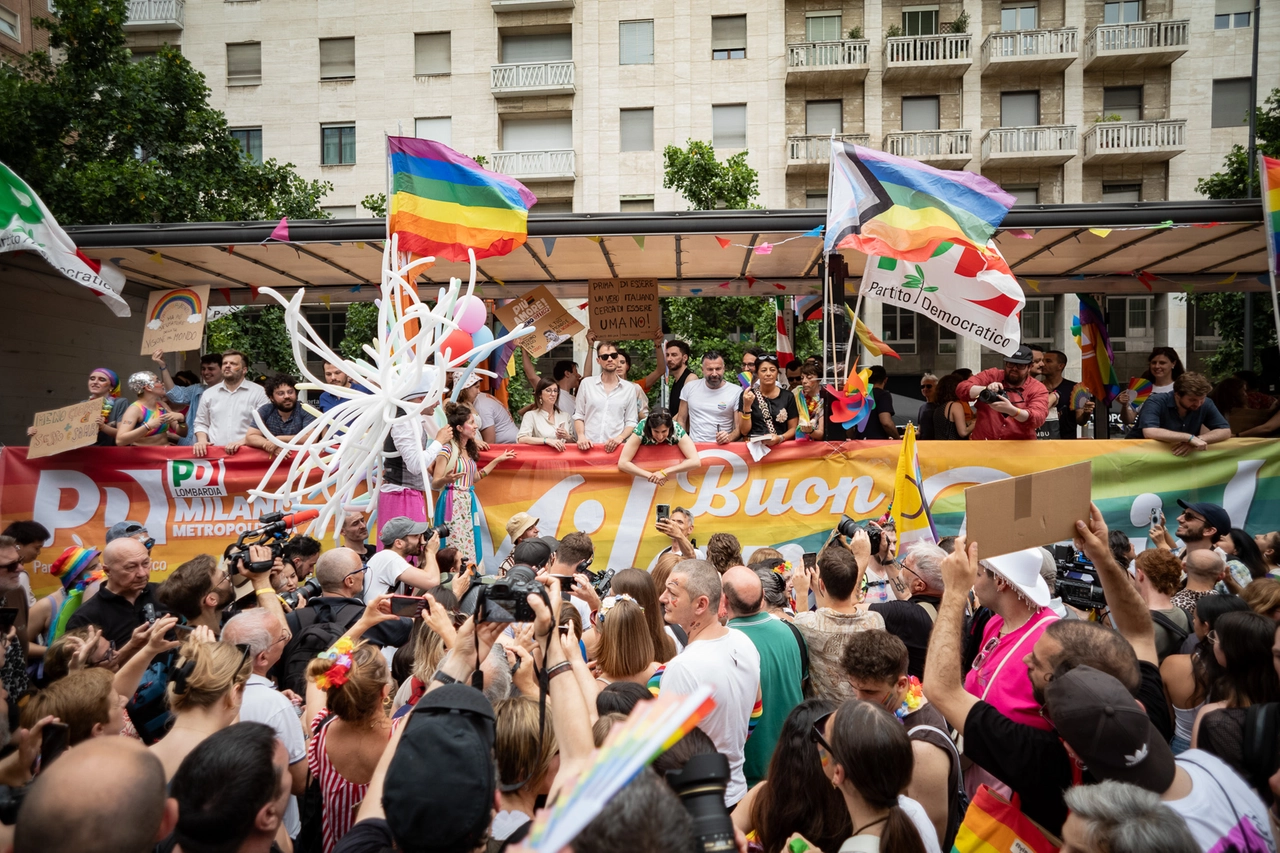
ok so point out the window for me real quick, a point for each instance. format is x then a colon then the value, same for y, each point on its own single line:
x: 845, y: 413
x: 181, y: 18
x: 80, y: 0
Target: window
x: 636, y: 130
x: 635, y: 42
x: 1207, y: 338
x: 1232, y: 14
x: 537, y: 134
x: 140, y: 55
x: 9, y: 23
x: 1129, y: 322
x: 1019, y: 109
x: 729, y: 126
x: 544, y: 47
x: 1024, y: 195
x: 822, y: 26
x: 920, y: 21
x: 250, y: 139
x: 1230, y: 102
x: 1124, y: 101
x: 823, y: 117
x: 337, y: 144
x: 946, y: 340
x: 920, y: 113
x: 330, y: 326
x: 438, y: 129
x: 554, y: 206
x: 1020, y: 17
x: 431, y: 54
x: 1121, y: 192
x: 815, y: 201
x: 729, y: 37
x: 1037, y: 319
x: 898, y: 328
x: 635, y: 203
x: 340, y: 211
x: 1122, y: 12
x: 244, y: 64
x: 338, y: 59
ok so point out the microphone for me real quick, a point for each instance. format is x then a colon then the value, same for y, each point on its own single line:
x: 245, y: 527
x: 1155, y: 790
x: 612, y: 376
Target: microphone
x: 294, y: 519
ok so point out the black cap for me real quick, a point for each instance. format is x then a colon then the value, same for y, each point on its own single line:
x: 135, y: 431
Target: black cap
x: 1214, y: 515
x: 440, y: 783
x: 1022, y: 356
x: 535, y: 552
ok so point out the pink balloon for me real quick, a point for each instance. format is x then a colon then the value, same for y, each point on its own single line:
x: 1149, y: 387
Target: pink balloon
x: 469, y: 313
x: 457, y: 342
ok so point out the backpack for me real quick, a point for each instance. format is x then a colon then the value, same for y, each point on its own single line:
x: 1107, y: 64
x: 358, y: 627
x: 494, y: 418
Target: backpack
x: 805, y: 684
x: 1179, y: 633
x: 319, y: 626
x: 960, y: 794
x: 1261, y: 726
x: 149, y: 706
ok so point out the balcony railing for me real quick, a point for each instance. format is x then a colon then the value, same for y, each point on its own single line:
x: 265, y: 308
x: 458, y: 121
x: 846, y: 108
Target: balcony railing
x: 1048, y: 142
x: 529, y: 5
x: 1031, y: 43
x: 939, y: 48
x: 154, y: 15
x: 531, y: 165
x: 1135, y: 140
x: 532, y: 77
x: 827, y: 55
x: 930, y: 144
x: 1148, y: 35
x: 817, y: 148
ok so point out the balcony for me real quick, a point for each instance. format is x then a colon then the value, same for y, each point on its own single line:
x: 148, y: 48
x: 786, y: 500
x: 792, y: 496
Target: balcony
x: 154, y: 16
x: 1135, y: 141
x: 532, y: 78
x: 927, y: 57
x: 557, y: 165
x: 529, y: 5
x: 828, y: 60
x: 807, y: 154
x: 946, y: 149
x: 1030, y: 51
x: 1041, y: 145
x: 1151, y: 44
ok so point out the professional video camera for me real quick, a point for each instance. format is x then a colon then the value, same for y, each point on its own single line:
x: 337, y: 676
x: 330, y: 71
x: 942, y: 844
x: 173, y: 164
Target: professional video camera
x: 1077, y: 581
x: 273, y: 533
x: 847, y: 527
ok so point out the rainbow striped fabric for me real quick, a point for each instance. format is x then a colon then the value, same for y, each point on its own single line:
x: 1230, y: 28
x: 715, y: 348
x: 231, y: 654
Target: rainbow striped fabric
x: 898, y: 208
x: 1269, y: 168
x: 1097, y: 365
x: 443, y: 203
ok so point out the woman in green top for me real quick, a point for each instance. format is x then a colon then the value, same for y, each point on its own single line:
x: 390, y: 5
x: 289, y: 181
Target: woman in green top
x: 658, y: 428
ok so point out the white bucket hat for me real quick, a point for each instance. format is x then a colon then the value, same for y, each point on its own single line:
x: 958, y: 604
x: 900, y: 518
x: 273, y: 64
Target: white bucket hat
x: 1022, y: 569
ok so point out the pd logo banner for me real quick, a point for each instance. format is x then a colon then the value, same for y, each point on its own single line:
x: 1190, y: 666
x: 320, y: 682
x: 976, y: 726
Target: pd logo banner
x: 196, y: 478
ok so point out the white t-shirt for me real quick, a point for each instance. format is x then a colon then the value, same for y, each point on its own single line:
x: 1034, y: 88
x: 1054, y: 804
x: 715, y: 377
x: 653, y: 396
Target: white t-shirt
x: 915, y: 811
x: 385, y: 569
x: 264, y: 704
x: 710, y: 411
x: 731, y: 665
x: 1220, y: 804
x: 493, y: 413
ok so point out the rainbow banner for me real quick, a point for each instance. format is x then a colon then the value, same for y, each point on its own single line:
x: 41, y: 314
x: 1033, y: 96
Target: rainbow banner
x: 874, y: 346
x: 1139, y: 391
x: 443, y: 203
x: 1269, y: 170
x: 1097, y: 368
x: 891, y: 206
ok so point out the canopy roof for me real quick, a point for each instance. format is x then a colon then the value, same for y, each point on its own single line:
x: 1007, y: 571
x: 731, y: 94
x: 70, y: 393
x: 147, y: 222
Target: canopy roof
x: 1205, y: 245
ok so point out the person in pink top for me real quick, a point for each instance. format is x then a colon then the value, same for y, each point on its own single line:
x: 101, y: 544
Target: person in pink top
x: 1012, y: 587
x: 1017, y: 405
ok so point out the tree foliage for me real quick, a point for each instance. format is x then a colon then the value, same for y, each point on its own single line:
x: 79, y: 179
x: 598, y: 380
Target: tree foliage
x: 375, y: 203
x: 1231, y: 181
x: 705, y: 182
x: 103, y: 139
x: 361, y: 328
x: 260, y: 334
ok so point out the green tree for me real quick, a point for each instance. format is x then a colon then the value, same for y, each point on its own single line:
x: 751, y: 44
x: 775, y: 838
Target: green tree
x: 260, y: 334
x: 705, y: 182
x: 375, y: 203
x: 104, y: 139
x: 361, y: 328
x: 1231, y: 181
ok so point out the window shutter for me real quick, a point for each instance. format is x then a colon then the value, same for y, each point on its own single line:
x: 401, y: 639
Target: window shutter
x: 1231, y: 7
x: 823, y: 26
x: 438, y: 129
x: 548, y: 47
x: 635, y: 43
x: 431, y: 53
x: 244, y: 63
x: 920, y: 113
x: 337, y: 59
x: 541, y: 134
x: 1230, y: 102
x: 823, y: 117
x: 729, y: 33
x: 636, y: 130
x: 729, y: 126
x: 1019, y: 109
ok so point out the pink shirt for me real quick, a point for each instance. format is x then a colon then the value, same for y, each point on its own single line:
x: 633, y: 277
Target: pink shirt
x: 1000, y: 677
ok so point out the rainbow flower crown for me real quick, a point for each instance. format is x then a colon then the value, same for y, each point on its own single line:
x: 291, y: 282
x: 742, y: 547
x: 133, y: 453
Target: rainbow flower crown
x: 340, y: 655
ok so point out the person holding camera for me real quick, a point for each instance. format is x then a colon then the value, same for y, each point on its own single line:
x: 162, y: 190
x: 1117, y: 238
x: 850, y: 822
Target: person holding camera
x: 1014, y: 403
x: 403, y: 537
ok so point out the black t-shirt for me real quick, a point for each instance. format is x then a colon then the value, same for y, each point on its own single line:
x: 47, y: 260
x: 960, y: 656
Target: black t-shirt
x: 912, y: 624
x: 114, y: 614
x: 1067, y: 426
x: 781, y: 408
x: 884, y: 405
x: 673, y: 396
x: 372, y: 835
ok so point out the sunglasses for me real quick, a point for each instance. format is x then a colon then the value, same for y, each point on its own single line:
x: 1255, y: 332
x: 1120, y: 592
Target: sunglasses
x: 987, y: 649
x: 610, y: 356
x: 818, y: 737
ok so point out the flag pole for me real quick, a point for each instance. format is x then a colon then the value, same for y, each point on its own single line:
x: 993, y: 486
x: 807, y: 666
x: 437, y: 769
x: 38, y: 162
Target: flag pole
x: 853, y: 327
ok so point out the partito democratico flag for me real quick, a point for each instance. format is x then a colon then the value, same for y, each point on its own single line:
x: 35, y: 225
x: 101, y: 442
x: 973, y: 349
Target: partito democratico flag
x: 959, y: 289
x: 27, y: 225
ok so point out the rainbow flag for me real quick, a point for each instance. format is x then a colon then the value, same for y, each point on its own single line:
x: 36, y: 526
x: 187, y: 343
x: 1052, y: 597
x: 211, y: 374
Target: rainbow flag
x: 874, y: 345
x: 890, y: 206
x: 1098, y: 362
x: 1269, y: 169
x: 1139, y: 391
x: 443, y: 203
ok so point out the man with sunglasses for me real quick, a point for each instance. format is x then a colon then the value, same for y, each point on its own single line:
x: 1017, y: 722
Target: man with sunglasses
x: 911, y: 618
x: 606, y: 410
x: 1020, y: 408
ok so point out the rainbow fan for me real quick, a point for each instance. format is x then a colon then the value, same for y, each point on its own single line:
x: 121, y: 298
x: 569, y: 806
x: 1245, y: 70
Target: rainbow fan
x: 1079, y: 396
x: 852, y: 407
x: 1139, y: 391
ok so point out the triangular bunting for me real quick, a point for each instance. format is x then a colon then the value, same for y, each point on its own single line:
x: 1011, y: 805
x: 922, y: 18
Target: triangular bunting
x: 548, y: 245
x: 639, y: 242
x: 281, y: 231
x: 226, y: 294
x: 723, y: 241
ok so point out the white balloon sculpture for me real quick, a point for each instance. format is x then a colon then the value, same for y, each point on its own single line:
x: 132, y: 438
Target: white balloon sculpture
x: 343, y: 449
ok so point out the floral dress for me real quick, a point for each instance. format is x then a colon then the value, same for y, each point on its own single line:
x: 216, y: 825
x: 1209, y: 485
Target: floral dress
x: 456, y: 507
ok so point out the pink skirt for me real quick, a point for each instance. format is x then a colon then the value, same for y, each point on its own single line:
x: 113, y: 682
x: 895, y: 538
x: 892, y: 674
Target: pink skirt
x: 408, y: 502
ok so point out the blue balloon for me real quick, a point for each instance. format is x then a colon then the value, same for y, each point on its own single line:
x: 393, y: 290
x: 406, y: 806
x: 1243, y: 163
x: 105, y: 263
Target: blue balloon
x: 482, y: 336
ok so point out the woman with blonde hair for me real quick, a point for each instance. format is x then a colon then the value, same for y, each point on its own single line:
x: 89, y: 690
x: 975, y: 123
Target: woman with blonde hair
x: 528, y: 760
x: 149, y: 422
x: 206, y: 685
x: 1263, y: 596
x: 625, y: 651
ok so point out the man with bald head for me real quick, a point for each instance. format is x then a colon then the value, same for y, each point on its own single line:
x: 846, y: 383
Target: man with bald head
x: 121, y: 604
x: 782, y: 663
x: 1204, y: 570
x: 124, y: 812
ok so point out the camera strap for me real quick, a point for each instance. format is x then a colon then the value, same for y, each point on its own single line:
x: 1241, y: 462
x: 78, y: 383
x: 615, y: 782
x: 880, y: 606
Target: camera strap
x: 544, y: 686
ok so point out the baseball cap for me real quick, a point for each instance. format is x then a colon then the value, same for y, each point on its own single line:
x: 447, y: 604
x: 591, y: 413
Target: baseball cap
x: 444, y: 758
x: 400, y: 527
x: 1022, y: 569
x: 519, y: 523
x: 1103, y: 724
x: 1022, y: 356
x: 1214, y: 515
x: 121, y: 529
x: 535, y: 552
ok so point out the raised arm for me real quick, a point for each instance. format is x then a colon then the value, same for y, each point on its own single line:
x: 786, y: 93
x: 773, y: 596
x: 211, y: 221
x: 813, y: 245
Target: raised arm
x: 661, y: 355
x: 530, y: 372
x: 1128, y: 610
x: 943, y: 682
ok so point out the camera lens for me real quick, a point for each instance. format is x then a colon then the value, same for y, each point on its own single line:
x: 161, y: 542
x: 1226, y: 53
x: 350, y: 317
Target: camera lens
x: 701, y: 785
x: 847, y: 526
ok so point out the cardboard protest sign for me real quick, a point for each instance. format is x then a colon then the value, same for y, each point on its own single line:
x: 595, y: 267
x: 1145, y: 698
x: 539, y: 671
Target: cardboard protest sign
x: 624, y: 309
x: 175, y: 319
x: 551, y: 322
x: 1024, y: 512
x: 65, y: 429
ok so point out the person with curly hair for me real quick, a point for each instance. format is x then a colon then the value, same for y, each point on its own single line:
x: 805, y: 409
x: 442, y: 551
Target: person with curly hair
x: 455, y: 474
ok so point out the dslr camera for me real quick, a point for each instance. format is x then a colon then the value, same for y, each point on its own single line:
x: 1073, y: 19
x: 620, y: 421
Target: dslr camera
x: 847, y: 527
x: 1076, y: 581
x: 989, y: 397
x: 701, y: 784
x: 507, y: 598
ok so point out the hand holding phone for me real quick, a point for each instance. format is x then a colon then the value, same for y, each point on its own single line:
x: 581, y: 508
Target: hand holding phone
x: 55, y: 739
x: 810, y: 561
x: 407, y: 605
x: 663, y: 512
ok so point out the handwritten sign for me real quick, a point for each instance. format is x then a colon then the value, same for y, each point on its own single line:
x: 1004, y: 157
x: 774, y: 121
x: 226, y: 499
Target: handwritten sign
x: 175, y: 319
x: 65, y: 429
x: 624, y: 309
x: 551, y: 322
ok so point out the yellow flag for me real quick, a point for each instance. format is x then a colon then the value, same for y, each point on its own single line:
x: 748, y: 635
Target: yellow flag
x: 910, y: 510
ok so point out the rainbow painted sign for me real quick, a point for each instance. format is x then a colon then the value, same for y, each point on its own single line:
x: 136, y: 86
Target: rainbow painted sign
x: 175, y: 319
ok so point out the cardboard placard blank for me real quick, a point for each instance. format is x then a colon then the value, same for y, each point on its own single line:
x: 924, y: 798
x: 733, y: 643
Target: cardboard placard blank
x: 1028, y: 511
x: 175, y: 319
x: 551, y: 322
x: 624, y: 309
x: 68, y: 428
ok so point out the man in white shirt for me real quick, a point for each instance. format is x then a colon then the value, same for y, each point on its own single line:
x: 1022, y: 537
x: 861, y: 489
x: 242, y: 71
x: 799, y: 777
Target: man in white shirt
x: 722, y: 657
x: 606, y: 410
x: 262, y: 703
x: 402, y: 537
x: 226, y: 409
x: 707, y: 405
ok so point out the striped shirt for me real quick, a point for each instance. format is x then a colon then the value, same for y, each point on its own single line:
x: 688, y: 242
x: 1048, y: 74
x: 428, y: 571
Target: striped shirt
x: 341, y: 798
